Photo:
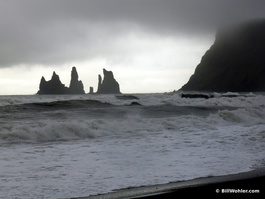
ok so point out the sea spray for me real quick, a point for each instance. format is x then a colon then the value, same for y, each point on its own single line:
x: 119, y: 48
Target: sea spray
x: 64, y: 146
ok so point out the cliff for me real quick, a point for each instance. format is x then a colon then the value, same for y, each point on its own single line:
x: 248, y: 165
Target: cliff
x: 235, y: 62
x: 55, y: 86
x: 109, y: 85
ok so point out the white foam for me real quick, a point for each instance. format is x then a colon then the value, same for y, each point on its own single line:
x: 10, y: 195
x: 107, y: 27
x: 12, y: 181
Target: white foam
x: 241, y: 116
x: 98, y: 155
x: 67, y: 129
x: 123, y: 153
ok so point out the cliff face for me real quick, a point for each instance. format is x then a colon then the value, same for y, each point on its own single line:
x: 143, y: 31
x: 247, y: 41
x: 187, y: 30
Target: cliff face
x: 109, y: 85
x: 55, y: 86
x: 235, y: 62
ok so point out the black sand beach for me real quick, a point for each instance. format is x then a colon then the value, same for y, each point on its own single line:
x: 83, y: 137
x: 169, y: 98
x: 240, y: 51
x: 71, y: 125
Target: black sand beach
x: 244, y: 185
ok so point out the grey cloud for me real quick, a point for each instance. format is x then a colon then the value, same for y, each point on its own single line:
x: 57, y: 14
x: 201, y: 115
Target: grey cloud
x: 57, y: 31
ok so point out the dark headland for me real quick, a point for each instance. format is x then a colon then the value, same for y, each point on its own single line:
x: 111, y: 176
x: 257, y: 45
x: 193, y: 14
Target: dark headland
x: 55, y: 87
x: 234, y: 63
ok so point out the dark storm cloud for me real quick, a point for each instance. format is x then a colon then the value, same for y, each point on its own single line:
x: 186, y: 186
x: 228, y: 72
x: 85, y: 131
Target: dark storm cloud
x: 57, y: 31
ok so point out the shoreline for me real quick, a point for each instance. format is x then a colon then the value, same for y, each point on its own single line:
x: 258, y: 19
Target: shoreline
x: 232, y: 185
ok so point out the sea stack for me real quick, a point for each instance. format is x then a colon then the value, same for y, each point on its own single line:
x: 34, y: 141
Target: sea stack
x: 235, y: 62
x: 55, y: 86
x: 76, y: 86
x: 109, y: 85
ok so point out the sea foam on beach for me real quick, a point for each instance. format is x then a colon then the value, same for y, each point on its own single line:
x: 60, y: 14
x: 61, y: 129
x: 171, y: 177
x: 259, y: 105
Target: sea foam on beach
x: 65, y: 146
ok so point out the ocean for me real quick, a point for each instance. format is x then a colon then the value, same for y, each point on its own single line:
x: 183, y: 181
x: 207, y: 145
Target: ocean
x: 60, y: 146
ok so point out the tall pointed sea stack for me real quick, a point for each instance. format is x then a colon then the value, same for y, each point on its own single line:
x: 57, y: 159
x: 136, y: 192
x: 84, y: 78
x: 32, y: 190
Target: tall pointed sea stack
x: 76, y: 86
x: 109, y: 85
x: 235, y: 62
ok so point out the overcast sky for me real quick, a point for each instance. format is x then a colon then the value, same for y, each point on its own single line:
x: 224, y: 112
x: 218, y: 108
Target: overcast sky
x: 150, y: 45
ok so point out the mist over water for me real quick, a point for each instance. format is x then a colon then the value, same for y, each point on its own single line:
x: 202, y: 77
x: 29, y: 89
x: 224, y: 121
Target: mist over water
x: 65, y: 146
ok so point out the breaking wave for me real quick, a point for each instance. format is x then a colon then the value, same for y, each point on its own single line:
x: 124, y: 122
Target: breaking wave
x: 227, y: 99
x: 130, y: 126
x: 63, y: 117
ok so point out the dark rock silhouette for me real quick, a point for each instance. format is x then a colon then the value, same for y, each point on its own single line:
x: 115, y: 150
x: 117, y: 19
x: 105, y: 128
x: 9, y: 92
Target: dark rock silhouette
x: 109, y: 85
x: 99, y: 83
x: 55, y: 86
x: 76, y: 86
x: 196, y: 95
x: 126, y: 97
x: 91, y: 90
x: 135, y: 104
x: 235, y: 62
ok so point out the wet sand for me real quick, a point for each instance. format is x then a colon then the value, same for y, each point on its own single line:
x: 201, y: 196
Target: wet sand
x: 228, y: 186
